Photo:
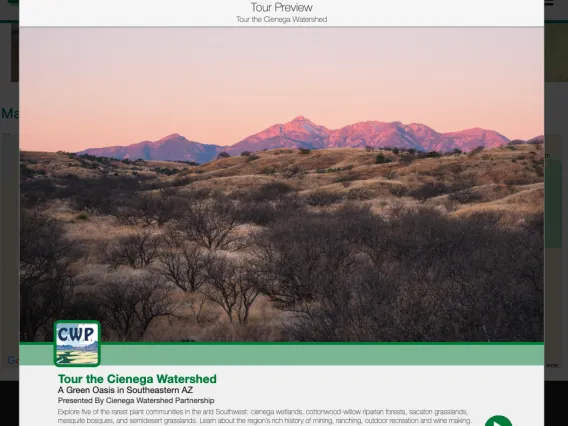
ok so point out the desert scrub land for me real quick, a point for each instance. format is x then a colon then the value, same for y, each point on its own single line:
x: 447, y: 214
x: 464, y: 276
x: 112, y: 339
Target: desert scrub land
x: 287, y: 245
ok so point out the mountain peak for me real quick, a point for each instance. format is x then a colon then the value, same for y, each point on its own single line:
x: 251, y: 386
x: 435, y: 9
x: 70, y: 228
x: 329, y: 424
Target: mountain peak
x: 300, y: 118
x: 172, y: 136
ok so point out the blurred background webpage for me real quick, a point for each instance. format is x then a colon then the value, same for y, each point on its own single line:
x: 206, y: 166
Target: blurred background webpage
x: 556, y: 76
x: 9, y: 200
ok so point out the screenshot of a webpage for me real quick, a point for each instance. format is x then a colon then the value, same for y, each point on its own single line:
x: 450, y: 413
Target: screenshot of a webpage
x: 296, y: 213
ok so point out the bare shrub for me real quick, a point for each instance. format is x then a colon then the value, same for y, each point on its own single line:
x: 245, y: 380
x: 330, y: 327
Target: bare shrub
x: 429, y: 190
x: 465, y: 196
x: 198, y: 194
x: 232, y: 286
x: 475, y: 151
x: 398, y: 190
x: 322, y: 198
x: 219, y: 332
x: 382, y: 159
x: 125, y: 212
x: 350, y: 311
x: 531, y: 239
x: 266, y: 212
x: 82, y: 305
x: 181, y: 262
x: 46, y: 277
x: 197, y: 304
x: 390, y: 174
x: 346, y: 178
x: 137, y: 250
x: 88, y: 202
x: 396, y: 209
x: 406, y: 159
x: 130, y: 305
x: 211, y: 223
x: 418, y: 276
x: 273, y: 191
x: 293, y: 171
x: 97, y: 195
x: 443, y: 286
x: 270, y: 171
x: 299, y: 257
x: 463, y: 181
x: 513, y: 181
x: 36, y: 192
x: 259, y: 212
x: 450, y: 205
x: 359, y: 194
x: 157, y: 208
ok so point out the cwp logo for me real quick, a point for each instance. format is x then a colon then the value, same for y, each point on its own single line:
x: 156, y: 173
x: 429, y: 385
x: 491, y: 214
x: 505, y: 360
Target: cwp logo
x: 77, y: 343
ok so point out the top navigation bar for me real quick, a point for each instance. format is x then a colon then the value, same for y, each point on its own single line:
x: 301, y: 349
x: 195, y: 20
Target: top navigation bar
x: 285, y: 13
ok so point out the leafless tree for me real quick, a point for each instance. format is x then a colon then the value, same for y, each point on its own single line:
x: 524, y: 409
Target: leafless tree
x: 531, y: 239
x: 131, y: 304
x: 87, y: 202
x: 301, y: 257
x: 197, y: 304
x: 137, y: 250
x: 211, y: 223
x: 249, y: 291
x: 157, y: 208
x: 182, y: 262
x: 46, y: 279
x: 232, y: 286
x: 36, y: 192
x: 419, y: 276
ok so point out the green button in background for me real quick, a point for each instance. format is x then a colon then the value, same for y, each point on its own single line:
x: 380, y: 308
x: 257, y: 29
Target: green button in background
x: 498, y: 421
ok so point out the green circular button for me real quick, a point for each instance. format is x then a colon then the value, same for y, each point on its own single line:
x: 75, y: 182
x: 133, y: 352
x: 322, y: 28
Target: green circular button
x: 498, y: 421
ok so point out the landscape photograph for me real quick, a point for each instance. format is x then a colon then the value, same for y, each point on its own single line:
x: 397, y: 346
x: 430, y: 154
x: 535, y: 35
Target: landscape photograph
x: 282, y: 184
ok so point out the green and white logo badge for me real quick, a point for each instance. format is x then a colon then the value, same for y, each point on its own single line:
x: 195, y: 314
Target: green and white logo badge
x: 77, y: 343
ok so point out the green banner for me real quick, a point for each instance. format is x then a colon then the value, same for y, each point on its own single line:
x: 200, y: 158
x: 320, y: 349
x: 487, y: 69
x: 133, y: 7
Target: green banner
x: 301, y: 354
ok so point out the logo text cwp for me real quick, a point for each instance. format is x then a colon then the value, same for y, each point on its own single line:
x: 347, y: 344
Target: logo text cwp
x: 77, y: 343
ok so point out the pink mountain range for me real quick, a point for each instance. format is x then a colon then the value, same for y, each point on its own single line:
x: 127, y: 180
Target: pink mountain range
x: 302, y: 133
